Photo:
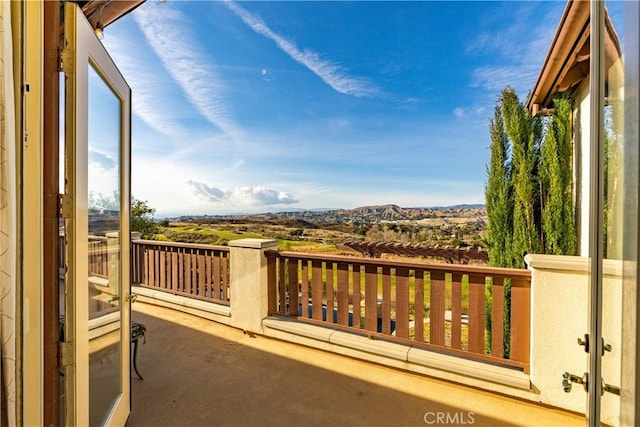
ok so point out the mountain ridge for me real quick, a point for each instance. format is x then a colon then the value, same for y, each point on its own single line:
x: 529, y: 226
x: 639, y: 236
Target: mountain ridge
x: 362, y: 214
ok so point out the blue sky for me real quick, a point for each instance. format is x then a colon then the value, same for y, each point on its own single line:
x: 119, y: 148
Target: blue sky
x: 274, y: 106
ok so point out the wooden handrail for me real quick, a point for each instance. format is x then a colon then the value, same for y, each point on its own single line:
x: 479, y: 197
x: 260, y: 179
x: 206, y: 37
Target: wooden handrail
x: 181, y: 245
x: 452, y: 268
x: 196, y: 271
x: 406, y: 302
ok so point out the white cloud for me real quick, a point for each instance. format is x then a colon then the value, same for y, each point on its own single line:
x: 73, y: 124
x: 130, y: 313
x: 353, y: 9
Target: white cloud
x: 149, y: 101
x: 518, y: 52
x: 209, y: 193
x: 101, y: 160
x: 166, y: 30
x: 458, y: 112
x: 242, y: 196
x: 495, y: 78
x: 332, y: 74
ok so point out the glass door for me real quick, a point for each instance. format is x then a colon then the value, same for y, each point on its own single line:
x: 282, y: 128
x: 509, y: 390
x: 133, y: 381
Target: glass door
x: 614, y: 149
x: 96, y: 206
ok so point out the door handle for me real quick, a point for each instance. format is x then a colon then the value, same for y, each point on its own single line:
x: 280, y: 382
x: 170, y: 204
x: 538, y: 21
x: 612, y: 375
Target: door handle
x: 132, y: 297
x: 569, y: 379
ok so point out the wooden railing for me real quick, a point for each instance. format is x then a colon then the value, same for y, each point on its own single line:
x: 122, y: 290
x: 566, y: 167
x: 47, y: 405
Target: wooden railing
x: 448, y: 308
x: 98, y: 255
x: 197, y: 271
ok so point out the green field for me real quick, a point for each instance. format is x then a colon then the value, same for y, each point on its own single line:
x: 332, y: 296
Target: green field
x: 203, y: 234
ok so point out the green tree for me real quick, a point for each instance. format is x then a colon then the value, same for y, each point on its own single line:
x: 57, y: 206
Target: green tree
x: 499, y: 195
x: 558, y: 226
x: 524, y: 132
x: 529, y: 197
x: 499, y: 205
x: 142, y: 218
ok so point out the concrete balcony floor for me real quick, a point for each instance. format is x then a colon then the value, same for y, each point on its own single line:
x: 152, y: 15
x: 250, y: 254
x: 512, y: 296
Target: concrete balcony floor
x: 201, y: 373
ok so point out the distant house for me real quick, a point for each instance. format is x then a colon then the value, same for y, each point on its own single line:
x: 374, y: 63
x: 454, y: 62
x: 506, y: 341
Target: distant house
x: 566, y: 68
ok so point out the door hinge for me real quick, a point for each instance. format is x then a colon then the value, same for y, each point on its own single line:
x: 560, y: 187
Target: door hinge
x: 66, y: 353
x: 67, y: 58
x: 66, y: 206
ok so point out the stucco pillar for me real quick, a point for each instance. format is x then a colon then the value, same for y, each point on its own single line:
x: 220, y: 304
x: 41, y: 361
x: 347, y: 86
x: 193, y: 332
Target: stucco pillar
x: 248, y: 276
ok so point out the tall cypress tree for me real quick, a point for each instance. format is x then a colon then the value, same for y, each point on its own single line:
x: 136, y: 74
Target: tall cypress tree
x: 524, y: 132
x: 558, y: 224
x: 499, y: 205
x: 528, y: 191
x: 499, y: 194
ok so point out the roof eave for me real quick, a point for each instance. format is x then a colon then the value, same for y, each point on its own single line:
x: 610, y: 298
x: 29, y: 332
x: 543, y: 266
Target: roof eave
x: 567, y: 62
x: 571, y: 33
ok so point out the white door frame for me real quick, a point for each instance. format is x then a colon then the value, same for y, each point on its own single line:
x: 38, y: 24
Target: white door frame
x: 82, y: 49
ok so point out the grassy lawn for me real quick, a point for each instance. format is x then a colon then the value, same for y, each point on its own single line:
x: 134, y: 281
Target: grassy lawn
x: 192, y: 233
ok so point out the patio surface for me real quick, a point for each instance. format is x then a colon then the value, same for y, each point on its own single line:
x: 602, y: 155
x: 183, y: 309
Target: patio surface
x: 201, y: 373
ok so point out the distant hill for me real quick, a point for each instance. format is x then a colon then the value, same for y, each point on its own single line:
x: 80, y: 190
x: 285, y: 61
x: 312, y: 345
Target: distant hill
x: 361, y: 215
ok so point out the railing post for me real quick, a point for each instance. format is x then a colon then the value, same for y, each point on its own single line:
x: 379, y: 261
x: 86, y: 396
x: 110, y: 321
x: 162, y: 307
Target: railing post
x: 249, y: 282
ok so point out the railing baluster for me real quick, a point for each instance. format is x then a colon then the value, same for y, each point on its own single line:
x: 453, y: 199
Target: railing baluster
x: 163, y: 268
x: 520, y: 315
x: 180, y: 286
x: 193, y: 267
x: 343, y: 293
x: 152, y: 267
x: 174, y: 270
x: 402, y: 302
x: 476, y: 313
x: 437, y: 308
x: 316, y: 289
x: 293, y: 285
x: 224, y: 283
x: 386, y: 300
x: 282, y: 287
x: 187, y: 271
x: 330, y: 292
x: 371, y: 298
x: 208, y: 278
x: 357, y: 296
x: 419, y: 306
x: 272, y: 280
x: 145, y: 270
x: 202, y: 275
x: 217, y: 277
x: 305, y: 289
x: 456, y: 310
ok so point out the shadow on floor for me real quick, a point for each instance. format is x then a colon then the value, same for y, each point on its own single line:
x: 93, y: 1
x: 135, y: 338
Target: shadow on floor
x: 206, y: 374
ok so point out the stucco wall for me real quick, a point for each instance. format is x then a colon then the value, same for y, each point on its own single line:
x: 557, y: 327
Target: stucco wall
x: 559, y: 316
